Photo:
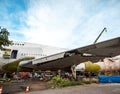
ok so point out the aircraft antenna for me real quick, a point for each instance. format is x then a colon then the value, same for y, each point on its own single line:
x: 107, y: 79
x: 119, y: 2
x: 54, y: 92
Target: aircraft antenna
x: 105, y: 29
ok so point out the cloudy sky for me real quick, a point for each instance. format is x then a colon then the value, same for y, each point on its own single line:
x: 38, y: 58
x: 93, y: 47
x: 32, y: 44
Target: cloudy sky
x: 60, y: 23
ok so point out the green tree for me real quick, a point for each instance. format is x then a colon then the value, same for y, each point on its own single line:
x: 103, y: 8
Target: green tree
x: 4, y: 40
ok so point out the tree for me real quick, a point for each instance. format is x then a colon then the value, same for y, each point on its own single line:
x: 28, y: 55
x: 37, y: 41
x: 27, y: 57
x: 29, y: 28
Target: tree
x: 4, y: 41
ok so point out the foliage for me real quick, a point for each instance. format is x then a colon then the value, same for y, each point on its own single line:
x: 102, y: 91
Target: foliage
x: 73, y: 83
x: 87, y: 82
x: 57, y: 81
x: 4, y: 41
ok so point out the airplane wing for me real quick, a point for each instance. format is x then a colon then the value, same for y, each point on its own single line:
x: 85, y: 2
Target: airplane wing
x: 65, y: 60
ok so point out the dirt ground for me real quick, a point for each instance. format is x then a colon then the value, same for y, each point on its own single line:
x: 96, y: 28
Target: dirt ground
x: 111, y: 88
x: 20, y: 86
x: 39, y: 87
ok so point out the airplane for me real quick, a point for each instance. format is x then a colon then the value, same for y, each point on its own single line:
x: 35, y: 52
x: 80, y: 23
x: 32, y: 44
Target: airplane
x: 77, y: 59
x: 12, y: 55
x: 31, y: 56
x: 65, y: 60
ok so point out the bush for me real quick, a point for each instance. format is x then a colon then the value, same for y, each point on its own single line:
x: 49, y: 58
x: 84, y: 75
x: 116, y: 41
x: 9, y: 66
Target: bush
x: 72, y: 83
x: 57, y: 81
x: 86, y: 82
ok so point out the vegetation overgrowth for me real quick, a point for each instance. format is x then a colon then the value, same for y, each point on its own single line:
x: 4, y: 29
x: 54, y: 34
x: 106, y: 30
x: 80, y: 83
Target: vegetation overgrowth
x: 58, y: 82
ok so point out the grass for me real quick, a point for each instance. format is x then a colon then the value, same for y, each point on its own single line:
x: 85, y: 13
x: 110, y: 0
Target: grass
x: 57, y: 82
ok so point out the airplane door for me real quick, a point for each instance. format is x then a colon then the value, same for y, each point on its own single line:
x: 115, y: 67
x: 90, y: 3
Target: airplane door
x: 14, y: 54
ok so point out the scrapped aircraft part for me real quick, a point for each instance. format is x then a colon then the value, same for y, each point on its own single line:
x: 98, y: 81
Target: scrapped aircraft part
x: 49, y: 58
x: 72, y: 52
x: 22, y: 63
x: 107, y: 48
x: 6, y: 54
x: 19, y: 50
x: 80, y: 67
x: 65, y: 63
x: 73, y: 71
x: 87, y: 54
x: 109, y: 64
x: 101, y: 64
x: 116, y: 57
x: 65, y: 60
x: 12, y: 66
x: 89, y: 66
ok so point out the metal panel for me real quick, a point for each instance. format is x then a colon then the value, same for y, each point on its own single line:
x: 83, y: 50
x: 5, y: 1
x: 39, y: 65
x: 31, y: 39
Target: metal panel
x: 49, y: 58
x: 109, y: 48
x: 99, y: 51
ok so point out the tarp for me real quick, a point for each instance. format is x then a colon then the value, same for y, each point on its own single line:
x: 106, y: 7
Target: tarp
x: 109, y: 79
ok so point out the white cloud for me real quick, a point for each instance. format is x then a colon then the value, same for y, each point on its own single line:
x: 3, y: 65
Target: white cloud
x: 66, y: 23
x: 52, y: 25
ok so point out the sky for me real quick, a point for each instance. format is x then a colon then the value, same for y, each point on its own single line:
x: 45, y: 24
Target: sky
x: 60, y: 23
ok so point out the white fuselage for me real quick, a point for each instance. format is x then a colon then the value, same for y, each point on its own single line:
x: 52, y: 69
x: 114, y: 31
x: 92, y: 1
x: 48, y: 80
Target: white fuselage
x: 23, y: 49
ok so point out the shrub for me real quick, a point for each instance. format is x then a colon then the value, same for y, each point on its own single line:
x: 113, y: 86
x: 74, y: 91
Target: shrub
x: 86, y: 82
x: 57, y: 81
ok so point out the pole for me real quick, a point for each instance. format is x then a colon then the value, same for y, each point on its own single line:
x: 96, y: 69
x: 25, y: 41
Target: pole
x: 105, y: 29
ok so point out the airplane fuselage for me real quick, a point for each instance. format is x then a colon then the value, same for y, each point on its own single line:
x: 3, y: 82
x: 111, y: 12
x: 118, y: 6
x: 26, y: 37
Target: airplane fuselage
x: 19, y: 50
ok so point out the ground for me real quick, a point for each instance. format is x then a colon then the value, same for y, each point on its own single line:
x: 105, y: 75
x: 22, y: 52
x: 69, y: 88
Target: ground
x: 83, y: 89
x: 37, y: 87
x: 20, y: 86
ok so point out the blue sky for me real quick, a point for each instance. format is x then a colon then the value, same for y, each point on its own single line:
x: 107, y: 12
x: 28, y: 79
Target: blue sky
x: 60, y: 23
